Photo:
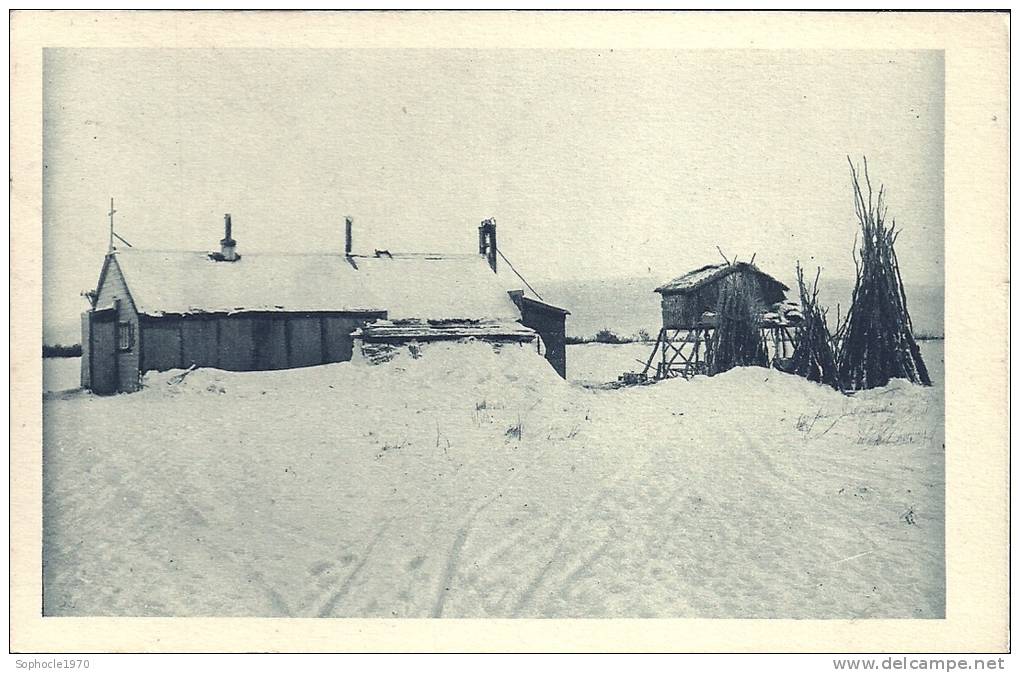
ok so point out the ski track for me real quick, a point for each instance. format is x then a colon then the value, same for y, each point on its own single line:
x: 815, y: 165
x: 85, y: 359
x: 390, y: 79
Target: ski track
x: 446, y: 580
x: 555, y: 555
x: 338, y: 594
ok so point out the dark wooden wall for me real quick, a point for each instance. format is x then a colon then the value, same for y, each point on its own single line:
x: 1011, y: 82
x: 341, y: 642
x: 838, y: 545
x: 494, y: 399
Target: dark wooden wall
x: 104, y: 368
x: 86, y: 350
x: 551, y: 326
x: 113, y: 292
x: 248, y: 341
x: 684, y: 311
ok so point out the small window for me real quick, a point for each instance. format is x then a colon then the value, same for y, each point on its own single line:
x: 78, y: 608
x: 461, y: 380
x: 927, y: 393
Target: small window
x: 125, y: 336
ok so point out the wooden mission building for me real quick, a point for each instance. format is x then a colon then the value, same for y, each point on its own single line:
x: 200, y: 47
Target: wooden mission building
x: 161, y: 310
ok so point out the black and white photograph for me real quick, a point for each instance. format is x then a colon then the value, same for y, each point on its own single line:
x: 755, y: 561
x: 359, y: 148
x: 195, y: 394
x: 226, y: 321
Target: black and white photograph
x: 494, y: 333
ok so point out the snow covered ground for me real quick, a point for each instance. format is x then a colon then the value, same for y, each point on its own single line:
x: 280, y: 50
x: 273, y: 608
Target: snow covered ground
x: 61, y: 374
x: 473, y: 483
x: 602, y: 363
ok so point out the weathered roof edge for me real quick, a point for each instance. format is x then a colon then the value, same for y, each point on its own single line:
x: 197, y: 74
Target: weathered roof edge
x: 107, y: 261
x: 547, y: 305
x: 522, y: 295
x: 433, y: 330
x: 722, y: 271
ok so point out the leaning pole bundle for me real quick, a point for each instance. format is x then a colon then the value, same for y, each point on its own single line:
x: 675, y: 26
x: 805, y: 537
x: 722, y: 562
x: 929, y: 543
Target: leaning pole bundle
x: 876, y: 339
x: 736, y: 340
x: 814, y: 357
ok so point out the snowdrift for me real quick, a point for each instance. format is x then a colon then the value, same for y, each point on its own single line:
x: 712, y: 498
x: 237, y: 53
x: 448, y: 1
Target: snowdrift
x: 427, y: 366
x: 474, y: 482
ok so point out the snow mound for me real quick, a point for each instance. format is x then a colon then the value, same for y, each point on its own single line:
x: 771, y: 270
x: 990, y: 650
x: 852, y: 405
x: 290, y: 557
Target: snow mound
x: 211, y: 381
x: 768, y: 386
x: 471, y: 362
x: 746, y: 390
x: 443, y: 368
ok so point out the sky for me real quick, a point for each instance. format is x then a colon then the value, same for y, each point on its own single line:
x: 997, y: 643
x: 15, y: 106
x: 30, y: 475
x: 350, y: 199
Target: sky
x: 594, y: 163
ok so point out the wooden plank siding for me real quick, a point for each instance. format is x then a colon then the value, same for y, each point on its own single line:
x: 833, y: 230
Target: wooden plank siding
x: 161, y: 347
x: 235, y: 347
x: 86, y: 353
x: 270, y: 343
x: 199, y: 341
x: 248, y: 341
x: 304, y: 341
x: 104, y: 379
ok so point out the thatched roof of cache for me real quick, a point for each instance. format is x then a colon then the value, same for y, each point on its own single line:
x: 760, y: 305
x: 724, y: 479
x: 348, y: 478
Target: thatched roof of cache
x: 711, y: 273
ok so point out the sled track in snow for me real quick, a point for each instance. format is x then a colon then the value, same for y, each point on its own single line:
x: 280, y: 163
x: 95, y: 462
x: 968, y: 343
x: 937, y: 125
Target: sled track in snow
x: 340, y: 592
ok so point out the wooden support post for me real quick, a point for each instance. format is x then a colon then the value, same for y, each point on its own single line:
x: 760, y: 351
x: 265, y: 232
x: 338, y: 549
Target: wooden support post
x: 648, y: 365
x: 697, y: 350
x: 793, y: 340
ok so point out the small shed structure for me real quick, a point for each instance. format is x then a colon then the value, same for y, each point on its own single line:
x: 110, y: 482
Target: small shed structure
x: 689, y: 316
x: 690, y: 301
x: 160, y: 310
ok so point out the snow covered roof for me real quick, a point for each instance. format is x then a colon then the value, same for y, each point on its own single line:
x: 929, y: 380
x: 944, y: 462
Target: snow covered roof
x: 405, y: 286
x: 437, y: 286
x: 692, y: 280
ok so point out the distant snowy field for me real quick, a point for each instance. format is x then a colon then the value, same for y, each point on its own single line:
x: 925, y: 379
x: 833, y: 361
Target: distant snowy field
x: 602, y: 363
x: 473, y: 483
x: 61, y: 374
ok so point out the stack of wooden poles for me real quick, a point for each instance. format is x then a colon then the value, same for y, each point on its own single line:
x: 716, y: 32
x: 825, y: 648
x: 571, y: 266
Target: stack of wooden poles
x: 876, y: 341
x: 815, y: 357
x: 737, y: 339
